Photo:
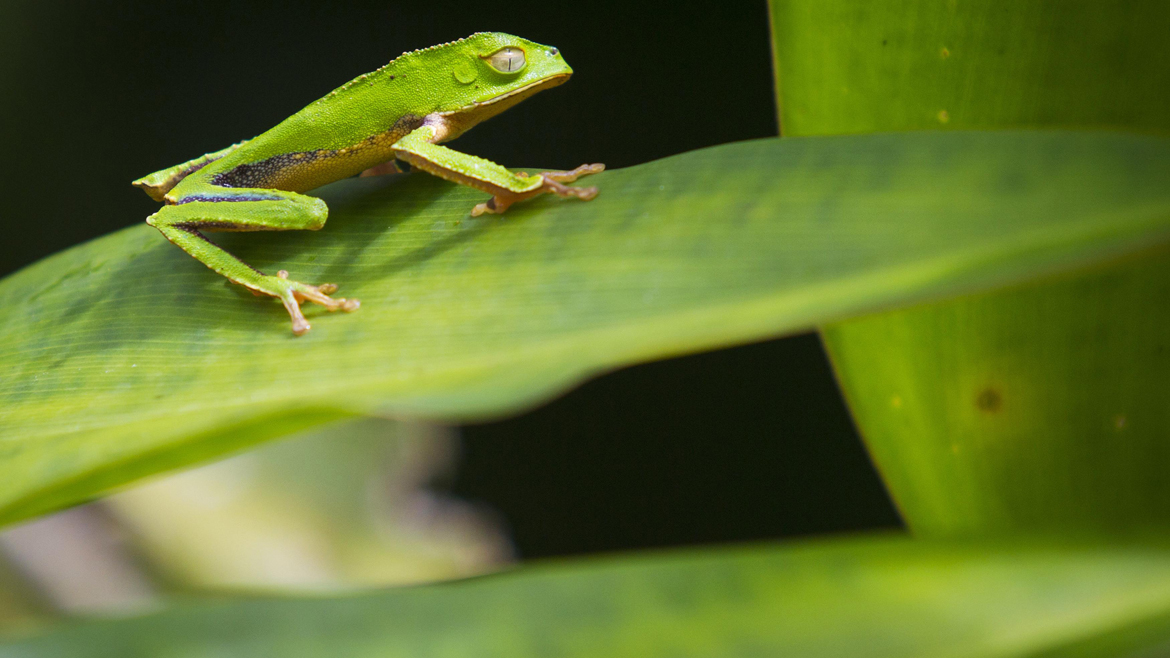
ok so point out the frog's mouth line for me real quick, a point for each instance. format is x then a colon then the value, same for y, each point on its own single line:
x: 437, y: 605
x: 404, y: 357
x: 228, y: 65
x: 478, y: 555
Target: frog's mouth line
x: 529, y: 89
x: 461, y: 120
x: 513, y: 97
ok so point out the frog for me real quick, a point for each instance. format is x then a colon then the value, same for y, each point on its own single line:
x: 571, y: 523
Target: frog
x: 402, y: 112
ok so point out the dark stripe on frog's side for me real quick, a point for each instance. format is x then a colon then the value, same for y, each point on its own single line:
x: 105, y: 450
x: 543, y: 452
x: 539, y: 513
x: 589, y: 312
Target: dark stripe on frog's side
x: 228, y: 199
x: 259, y: 174
x: 278, y: 170
x: 195, y: 227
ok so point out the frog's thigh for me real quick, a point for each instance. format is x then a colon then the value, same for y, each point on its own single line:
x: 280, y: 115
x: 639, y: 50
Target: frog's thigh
x: 241, y: 209
x: 237, y: 209
x: 249, y: 210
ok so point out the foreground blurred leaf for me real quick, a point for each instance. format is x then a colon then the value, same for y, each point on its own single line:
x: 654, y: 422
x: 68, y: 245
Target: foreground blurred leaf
x: 872, y: 597
x: 123, y: 356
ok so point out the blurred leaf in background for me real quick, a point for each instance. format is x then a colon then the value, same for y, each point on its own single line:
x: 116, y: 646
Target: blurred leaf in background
x: 846, y: 67
x: 78, y: 562
x: 877, y: 597
x: 342, y: 506
x: 21, y: 606
x: 1039, y: 408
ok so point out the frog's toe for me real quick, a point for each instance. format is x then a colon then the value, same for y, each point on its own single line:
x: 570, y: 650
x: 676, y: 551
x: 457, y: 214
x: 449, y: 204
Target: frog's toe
x: 570, y: 176
x: 554, y: 182
x: 320, y: 295
x: 566, y: 191
x: 292, y: 293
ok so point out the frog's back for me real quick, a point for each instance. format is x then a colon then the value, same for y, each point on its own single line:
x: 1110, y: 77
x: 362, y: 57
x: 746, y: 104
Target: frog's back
x: 403, y: 91
x: 347, y: 131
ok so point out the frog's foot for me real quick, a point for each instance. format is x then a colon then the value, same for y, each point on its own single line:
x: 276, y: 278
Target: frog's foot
x: 292, y: 293
x: 570, y: 176
x: 552, y: 183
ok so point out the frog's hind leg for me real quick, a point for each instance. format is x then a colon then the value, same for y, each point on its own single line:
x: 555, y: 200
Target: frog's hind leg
x: 241, y: 209
x: 157, y: 185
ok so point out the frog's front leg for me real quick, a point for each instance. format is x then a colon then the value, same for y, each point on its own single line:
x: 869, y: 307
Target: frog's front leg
x: 421, y: 150
x: 210, y: 208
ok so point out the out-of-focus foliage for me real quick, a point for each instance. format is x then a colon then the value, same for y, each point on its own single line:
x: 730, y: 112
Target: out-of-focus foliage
x: 1043, y: 408
x: 875, y: 597
x: 342, y: 506
x: 847, y: 67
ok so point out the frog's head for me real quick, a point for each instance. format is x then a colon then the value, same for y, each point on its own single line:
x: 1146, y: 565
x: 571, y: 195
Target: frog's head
x: 490, y: 72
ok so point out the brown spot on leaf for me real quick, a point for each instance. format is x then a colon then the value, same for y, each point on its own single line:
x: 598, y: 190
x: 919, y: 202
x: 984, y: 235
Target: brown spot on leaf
x: 989, y: 400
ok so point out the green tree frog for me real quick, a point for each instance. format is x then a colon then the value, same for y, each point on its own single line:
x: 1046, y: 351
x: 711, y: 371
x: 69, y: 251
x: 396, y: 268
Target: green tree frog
x: 402, y: 111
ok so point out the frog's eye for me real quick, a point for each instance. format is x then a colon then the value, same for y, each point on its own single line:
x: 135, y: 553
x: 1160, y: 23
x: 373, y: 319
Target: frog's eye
x: 507, y: 60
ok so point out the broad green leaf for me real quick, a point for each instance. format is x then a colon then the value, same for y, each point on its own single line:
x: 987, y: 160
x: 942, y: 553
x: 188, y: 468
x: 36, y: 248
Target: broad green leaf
x: 863, y: 598
x: 854, y: 67
x: 982, y: 418
x: 123, y: 356
x: 1045, y: 408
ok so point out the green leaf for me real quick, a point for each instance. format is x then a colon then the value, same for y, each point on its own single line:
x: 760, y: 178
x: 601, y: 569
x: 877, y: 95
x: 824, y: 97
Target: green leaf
x: 1027, y: 409
x: 123, y: 356
x: 1045, y: 407
x: 864, y: 598
x: 854, y: 67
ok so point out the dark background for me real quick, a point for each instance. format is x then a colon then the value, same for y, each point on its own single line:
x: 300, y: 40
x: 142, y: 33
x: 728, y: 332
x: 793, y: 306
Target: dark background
x: 747, y: 443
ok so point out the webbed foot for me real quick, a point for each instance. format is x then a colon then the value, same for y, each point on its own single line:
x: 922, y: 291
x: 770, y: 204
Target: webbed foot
x: 552, y: 183
x: 292, y: 293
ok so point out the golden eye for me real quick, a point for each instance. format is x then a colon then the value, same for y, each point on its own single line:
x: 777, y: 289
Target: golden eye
x: 507, y: 60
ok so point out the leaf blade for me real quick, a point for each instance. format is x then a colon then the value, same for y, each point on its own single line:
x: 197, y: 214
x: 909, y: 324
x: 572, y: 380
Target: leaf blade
x: 112, y: 349
x: 1020, y: 410
x: 858, y: 597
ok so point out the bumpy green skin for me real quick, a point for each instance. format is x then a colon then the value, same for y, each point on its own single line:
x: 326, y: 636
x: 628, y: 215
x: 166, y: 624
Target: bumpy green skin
x: 403, y: 110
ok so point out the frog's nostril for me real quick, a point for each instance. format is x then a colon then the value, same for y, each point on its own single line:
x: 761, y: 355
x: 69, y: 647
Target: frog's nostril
x: 552, y: 51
